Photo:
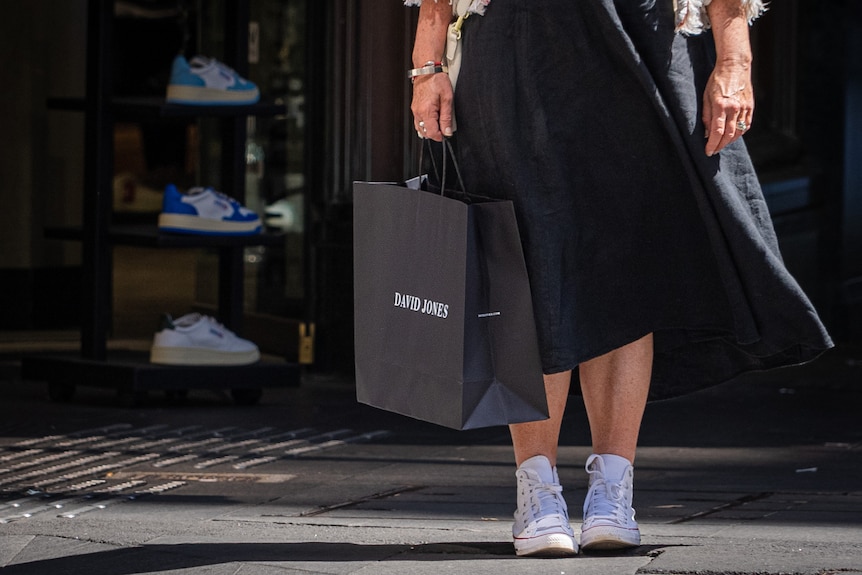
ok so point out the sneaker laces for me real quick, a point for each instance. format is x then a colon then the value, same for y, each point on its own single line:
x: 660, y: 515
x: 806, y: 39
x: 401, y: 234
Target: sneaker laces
x: 220, y: 195
x: 216, y: 323
x: 223, y: 196
x: 545, y: 499
x: 203, y: 61
x: 606, y: 500
x: 202, y: 190
x: 195, y: 317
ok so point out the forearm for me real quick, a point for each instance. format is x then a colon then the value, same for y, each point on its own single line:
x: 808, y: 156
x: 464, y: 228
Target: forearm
x: 692, y: 16
x: 730, y: 31
x: 728, y: 99
x: 430, y: 44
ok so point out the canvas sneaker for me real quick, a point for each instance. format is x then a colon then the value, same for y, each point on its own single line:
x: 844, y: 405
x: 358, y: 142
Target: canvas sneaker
x: 609, y: 520
x: 542, y: 519
x: 196, y: 339
x: 204, y: 211
x: 207, y: 82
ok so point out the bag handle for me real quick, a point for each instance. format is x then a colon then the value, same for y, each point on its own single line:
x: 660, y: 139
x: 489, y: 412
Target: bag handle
x: 447, y: 146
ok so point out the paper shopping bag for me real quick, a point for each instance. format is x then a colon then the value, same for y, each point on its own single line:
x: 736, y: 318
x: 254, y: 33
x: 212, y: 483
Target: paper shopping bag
x: 444, y: 328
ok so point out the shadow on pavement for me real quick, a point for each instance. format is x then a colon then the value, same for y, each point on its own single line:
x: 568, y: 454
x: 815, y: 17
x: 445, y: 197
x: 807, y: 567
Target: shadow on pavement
x: 156, y: 558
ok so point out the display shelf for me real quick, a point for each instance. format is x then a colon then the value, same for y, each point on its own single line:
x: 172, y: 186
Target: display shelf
x: 148, y: 235
x: 131, y: 373
x: 158, y: 108
x: 152, y: 108
x: 95, y: 365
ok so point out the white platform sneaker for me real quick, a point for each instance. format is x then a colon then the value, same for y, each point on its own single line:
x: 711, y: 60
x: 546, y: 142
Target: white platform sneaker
x: 196, y: 339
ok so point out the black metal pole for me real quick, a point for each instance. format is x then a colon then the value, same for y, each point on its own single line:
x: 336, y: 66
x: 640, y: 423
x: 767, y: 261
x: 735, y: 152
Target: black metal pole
x: 231, y: 261
x: 98, y: 173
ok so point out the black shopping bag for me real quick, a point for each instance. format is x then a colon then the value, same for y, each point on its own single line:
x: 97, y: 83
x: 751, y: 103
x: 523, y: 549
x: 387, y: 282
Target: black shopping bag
x: 444, y: 328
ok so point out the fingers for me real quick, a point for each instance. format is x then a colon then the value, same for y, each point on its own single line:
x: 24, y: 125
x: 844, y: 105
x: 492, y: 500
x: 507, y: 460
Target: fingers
x: 428, y: 129
x: 725, y: 121
x: 728, y: 104
x: 746, y: 118
x: 433, y: 128
x: 432, y: 107
x: 430, y: 125
x: 421, y: 129
x: 446, y: 119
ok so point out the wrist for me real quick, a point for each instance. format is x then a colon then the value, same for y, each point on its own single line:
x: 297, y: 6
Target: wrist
x: 419, y: 61
x: 735, y: 59
x: 428, y: 68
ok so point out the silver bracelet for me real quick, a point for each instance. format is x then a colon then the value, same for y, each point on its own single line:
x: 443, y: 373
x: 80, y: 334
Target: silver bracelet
x: 428, y: 68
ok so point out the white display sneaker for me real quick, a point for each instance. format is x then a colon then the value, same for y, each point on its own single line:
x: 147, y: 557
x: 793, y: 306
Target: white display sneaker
x: 542, y: 519
x: 609, y: 520
x: 196, y: 339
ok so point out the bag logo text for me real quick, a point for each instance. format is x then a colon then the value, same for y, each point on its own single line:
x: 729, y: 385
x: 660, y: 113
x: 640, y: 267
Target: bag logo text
x: 420, y: 305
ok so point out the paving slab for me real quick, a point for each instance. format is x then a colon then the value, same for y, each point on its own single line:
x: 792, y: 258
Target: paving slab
x: 760, y: 476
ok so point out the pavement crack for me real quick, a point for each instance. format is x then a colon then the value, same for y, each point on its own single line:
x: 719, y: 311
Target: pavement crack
x: 352, y: 502
x: 724, y: 506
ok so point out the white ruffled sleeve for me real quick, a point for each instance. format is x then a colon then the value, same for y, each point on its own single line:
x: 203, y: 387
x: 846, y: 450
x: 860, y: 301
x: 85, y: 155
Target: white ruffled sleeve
x: 692, y: 18
x: 691, y: 15
x: 475, y: 7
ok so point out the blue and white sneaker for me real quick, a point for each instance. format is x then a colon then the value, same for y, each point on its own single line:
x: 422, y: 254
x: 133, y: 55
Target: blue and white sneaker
x: 208, y: 82
x: 204, y: 211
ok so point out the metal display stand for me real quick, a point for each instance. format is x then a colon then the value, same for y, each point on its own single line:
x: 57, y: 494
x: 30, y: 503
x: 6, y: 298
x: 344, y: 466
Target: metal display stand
x: 132, y: 374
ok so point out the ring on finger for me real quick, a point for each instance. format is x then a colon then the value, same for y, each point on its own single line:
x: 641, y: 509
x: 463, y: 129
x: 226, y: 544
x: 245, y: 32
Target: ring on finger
x: 741, y: 126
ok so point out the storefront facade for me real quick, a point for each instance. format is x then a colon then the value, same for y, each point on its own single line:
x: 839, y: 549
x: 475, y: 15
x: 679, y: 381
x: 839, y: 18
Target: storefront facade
x: 338, y: 69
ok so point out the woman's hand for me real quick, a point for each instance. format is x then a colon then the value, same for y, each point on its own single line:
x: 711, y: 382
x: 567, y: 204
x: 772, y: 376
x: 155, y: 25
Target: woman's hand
x: 432, y: 93
x: 728, y: 104
x: 432, y: 106
x: 728, y: 100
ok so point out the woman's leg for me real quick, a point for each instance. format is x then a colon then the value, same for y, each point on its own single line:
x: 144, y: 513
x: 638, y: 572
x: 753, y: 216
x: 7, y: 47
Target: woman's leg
x: 542, y: 520
x: 542, y: 437
x: 615, y: 388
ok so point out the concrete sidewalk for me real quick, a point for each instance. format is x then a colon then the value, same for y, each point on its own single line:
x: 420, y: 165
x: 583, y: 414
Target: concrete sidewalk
x: 759, y: 476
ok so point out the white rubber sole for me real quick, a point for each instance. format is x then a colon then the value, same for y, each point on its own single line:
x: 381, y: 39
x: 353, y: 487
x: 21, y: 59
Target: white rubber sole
x: 180, y: 223
x: 200, y: 356
x: 608, y: 538
x: 202, y: 96
x: 553, y: 545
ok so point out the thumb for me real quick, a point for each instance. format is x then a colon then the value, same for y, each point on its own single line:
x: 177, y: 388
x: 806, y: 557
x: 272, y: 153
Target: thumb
x: 447, y: 125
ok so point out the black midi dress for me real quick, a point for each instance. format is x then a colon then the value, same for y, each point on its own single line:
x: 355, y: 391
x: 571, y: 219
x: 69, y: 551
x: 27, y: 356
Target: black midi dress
x: 586, y: 114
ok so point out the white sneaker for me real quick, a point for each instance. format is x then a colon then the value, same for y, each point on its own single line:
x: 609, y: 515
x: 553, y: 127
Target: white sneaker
x: 609, y: 520
x: 196, y: 339
x: 542, y: 519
